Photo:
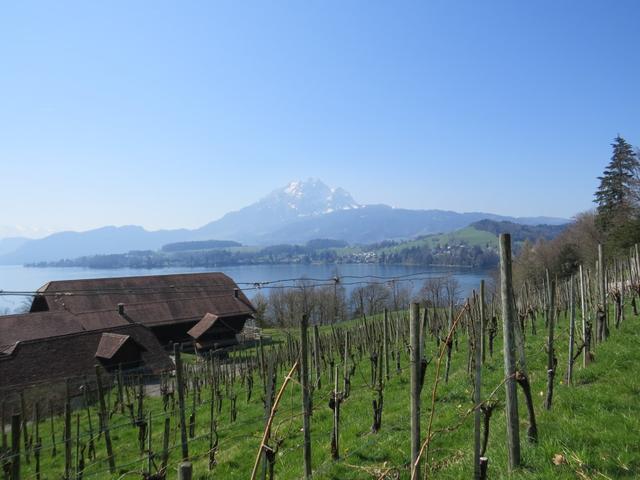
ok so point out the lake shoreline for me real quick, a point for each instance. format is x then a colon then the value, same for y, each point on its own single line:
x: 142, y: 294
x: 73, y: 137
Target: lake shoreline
x: 17, y: 278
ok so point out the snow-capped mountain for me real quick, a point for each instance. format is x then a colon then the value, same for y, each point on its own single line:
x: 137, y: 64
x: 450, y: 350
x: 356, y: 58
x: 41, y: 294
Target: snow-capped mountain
x: 293, y: 202
x: 308, y: 198
x: 295, y: 213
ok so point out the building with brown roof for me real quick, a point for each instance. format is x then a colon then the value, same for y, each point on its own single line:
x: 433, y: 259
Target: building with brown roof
x: 117, y: 322
x: 71, y: 354
x: 170, y: 305
x: 213, y: 331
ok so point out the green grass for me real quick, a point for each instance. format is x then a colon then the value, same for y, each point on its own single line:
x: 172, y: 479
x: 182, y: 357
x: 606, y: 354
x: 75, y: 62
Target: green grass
x: 469, y: 236
x: 594, y: 424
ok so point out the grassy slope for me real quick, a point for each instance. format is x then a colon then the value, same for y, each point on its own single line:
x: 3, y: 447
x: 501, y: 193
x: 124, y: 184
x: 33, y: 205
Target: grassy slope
x: 594, y: 424
x: 469, y: 236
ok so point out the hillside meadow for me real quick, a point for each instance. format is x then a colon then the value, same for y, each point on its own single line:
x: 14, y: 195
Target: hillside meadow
x: 590, y: 432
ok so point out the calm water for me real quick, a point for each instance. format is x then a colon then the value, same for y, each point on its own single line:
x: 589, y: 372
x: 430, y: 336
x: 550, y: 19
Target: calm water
x: 19, y: 278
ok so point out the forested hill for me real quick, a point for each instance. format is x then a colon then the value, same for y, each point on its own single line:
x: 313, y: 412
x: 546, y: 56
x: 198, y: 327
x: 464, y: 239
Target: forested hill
x: 202, y: 245
x: 473, y: 246
x: 519, y: 232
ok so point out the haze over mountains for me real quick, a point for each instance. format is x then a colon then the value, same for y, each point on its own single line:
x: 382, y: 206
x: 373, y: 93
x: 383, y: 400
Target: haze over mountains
x: 296, y: 213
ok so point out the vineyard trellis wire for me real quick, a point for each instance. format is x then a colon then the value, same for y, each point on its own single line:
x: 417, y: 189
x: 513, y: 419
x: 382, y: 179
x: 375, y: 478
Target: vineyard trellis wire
x: 245, y: 372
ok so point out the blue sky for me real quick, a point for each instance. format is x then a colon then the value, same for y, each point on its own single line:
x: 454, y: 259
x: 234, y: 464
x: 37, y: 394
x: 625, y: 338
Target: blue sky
x: 169, y: 114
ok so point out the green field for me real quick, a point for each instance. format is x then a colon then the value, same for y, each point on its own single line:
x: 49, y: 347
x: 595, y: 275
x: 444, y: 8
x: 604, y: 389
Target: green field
x: 593, y: 425
x: 469, y: 236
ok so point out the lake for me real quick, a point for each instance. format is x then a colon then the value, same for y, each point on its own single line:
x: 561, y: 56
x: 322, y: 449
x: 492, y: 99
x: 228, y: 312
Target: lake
x: 19, y: 278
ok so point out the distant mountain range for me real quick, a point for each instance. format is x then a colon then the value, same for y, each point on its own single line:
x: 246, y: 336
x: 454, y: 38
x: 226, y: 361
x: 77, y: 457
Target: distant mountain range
x: 296, y: 213
x: 473, y: 246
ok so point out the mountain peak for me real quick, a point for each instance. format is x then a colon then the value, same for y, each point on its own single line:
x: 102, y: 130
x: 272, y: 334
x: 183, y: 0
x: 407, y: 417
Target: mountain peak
x: 308, y: 197
x: 300, y: 188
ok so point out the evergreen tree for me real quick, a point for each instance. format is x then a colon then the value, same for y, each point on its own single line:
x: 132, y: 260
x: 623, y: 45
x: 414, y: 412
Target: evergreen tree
x: 617, y: 194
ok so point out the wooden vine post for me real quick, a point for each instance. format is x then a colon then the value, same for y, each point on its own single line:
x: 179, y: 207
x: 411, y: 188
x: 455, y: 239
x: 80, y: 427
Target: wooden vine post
x: 3, y: 434
x: 508, y: 320
x: 572, y: 329
x: 67, y: 434
x: 316, y: 358
x: 522, y: 379
x: 345, y: 389
x: 15, y: 446
x: 306, y: 404
x: 477, y: 385
x: 180, y: 386
x: 601, y: 334
x: 482, y: 321
x: 267, y: 428
x: 185, y: 471
x: 586, y: 329
x: 38, y: 440
x: 415, y: 373
x: 449, y: 342
x: 335, y: 434
x: 25, y: 431
x: 385, y: 340
x: 551, y: 358
x: 104, y: 416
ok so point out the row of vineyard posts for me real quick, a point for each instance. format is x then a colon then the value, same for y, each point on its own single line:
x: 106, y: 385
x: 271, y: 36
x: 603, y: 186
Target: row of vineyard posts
x: 381, y: 348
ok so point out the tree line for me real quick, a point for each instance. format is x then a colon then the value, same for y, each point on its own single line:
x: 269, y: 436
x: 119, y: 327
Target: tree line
x: 329, y: 304
x: 613, y: 223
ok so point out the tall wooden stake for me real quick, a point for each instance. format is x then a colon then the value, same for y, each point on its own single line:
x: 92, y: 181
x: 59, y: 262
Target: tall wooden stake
x: 551, y: 358
x: 415, y: 374
x: 67, y: 434
x: 449, y: 343
x: 478, y: 385
x: 586, y: 334
x: 508, y: 321
x: 149, y: 443
x: 165, y: 445
x: 482, y: 321
x: 316, y: 357
x: 335, y: 434
x: 38, y: 440
x: 15, y: 447
x: 25, y: 431
x: 104, y: 415
x: 572, y: 328
x: 306, y: 413
x: 601, y: 334
x: 180, y: 386
x: 345, y: 389
x: 185, y: 471
x: 385, y: 340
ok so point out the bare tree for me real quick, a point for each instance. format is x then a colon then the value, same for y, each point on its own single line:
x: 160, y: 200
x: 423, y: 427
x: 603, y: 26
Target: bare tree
x: 370, y: 299
x: 400, y: 295
x: 261, y: 304
x: 330, y: 304
x: 440, y: 291
x: 452, y: 290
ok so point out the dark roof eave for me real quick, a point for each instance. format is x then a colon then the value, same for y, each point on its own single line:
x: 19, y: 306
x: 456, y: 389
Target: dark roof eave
x: 173, y: 321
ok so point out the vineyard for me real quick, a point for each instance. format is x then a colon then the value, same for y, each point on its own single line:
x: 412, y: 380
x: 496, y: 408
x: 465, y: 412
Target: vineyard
x: 534, y: 382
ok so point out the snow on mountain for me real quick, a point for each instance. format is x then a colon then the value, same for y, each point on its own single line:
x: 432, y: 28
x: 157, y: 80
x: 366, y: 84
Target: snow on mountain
x: 295, y: 213
x: 307, y: 198
x: 297, y: 200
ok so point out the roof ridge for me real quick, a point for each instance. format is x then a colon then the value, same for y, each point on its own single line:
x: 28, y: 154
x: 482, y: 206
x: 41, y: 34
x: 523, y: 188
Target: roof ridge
x: 161, y: 300
x: 167, y: 275
x: 81, y: 332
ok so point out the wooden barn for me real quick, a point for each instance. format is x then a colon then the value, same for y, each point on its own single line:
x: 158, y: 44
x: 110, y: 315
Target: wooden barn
x: 46, y: 347
x: 170, y: 305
